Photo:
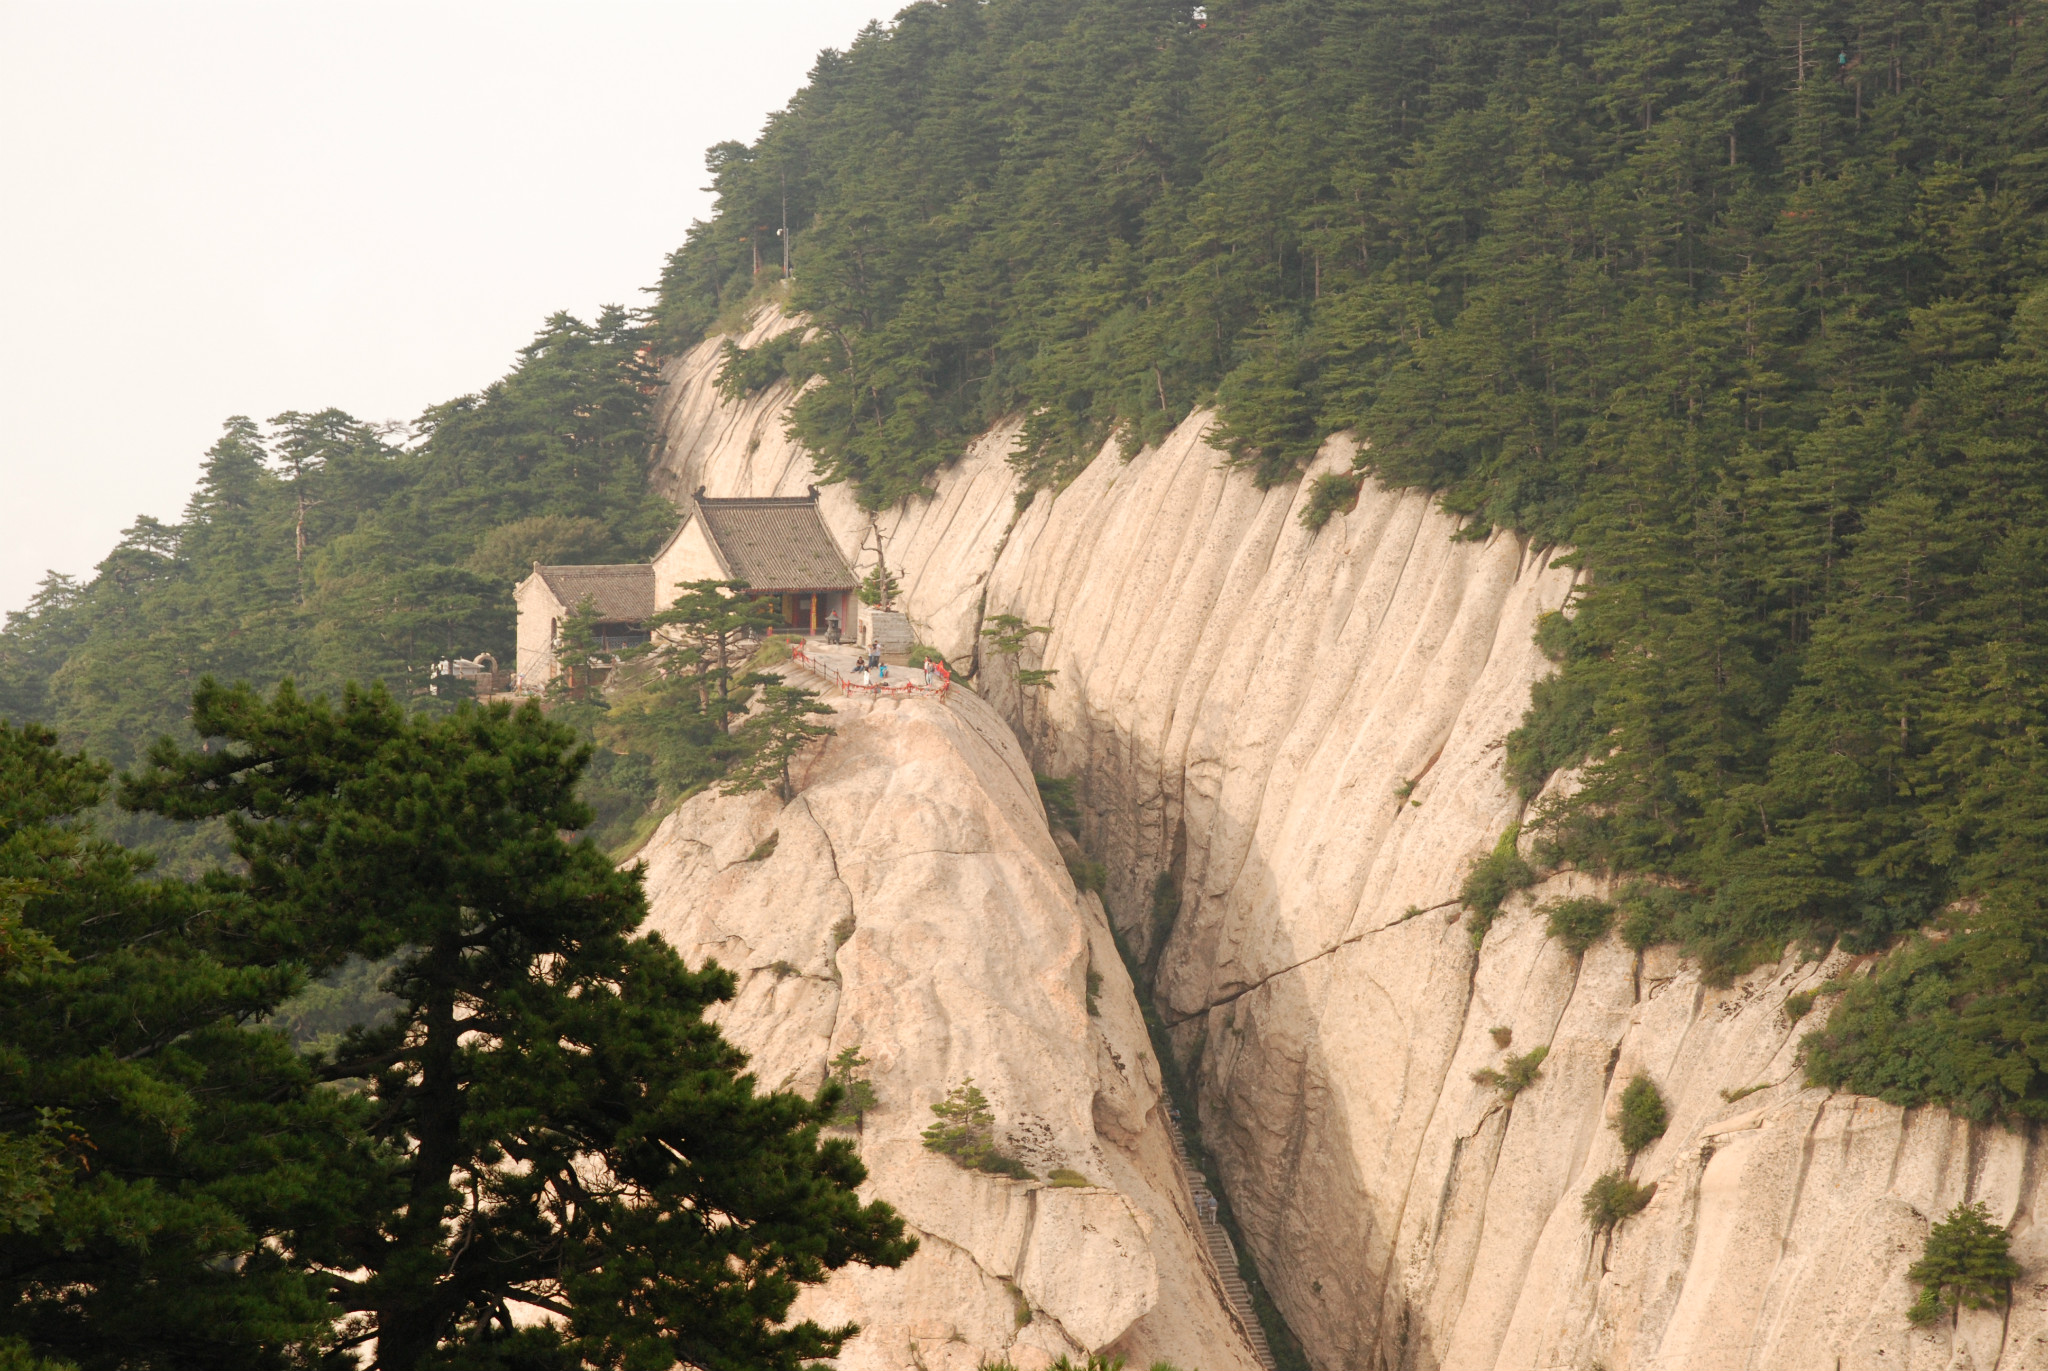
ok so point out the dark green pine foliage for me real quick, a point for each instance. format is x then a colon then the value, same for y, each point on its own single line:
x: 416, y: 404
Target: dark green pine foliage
x: 773, y: 737
x: 1745, y: 301
x: 167, y: 1171
x: 34, y: 644
x: 665, y: 725
x: 1966, y: 1264
x: 562, y: 1130
x: 669, y: 717
x: 707, y: 632
x: 322, y: 549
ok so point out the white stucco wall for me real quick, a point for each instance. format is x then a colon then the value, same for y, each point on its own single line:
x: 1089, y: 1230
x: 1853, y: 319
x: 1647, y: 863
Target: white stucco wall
x: 688, y: 557
x: 539, y: 611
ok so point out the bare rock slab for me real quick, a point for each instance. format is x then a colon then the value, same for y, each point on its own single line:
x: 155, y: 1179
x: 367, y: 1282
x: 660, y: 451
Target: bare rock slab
x: 914, y: 906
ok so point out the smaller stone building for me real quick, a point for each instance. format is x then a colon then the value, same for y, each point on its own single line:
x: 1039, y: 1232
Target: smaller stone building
x: 778, y: 545
x: 623, y: 596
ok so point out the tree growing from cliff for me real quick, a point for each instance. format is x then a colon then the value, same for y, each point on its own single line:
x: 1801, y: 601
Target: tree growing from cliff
x: 1966, y: 1264
x: 1006, y: 634
x: 880, y: 587
x: 1643, y: 1116
x: 965, y: 1130
x: 856, y: 1091
x: 551, y: 1123
x: 701, y: 640
x: 666, y: 723
x: 772, y: 737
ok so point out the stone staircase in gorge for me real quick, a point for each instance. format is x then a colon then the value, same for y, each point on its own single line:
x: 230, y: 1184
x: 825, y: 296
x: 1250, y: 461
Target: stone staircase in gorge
x: 1221, y: 1251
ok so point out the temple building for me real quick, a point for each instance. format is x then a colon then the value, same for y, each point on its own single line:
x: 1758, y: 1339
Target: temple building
x: 778, y: 545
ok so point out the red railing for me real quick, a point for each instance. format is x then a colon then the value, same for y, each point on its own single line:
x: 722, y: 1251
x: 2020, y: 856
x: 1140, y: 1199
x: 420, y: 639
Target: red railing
x: 849, y: 686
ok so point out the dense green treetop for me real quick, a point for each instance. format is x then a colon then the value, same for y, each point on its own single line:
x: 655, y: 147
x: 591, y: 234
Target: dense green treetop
x: 1471, y: 231
x: 566, y: 1132
x: 166, y: 1173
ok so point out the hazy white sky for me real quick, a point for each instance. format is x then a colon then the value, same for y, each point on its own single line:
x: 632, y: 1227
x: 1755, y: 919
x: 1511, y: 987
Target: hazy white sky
x: 243, y: 208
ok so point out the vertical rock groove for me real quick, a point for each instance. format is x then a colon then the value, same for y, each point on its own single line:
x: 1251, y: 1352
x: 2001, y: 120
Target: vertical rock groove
x: 1238, y: 698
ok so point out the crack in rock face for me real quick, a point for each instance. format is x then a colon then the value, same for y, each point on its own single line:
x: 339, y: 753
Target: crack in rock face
x: 1301, y: 732
x: 969, y: 958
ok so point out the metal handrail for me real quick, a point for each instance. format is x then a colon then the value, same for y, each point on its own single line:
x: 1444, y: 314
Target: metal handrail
x: 876, y: 690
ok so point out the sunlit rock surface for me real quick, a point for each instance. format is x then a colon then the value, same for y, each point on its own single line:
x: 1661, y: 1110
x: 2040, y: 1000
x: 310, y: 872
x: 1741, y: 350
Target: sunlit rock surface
x: 914, y: 907
x: 1244, y: 705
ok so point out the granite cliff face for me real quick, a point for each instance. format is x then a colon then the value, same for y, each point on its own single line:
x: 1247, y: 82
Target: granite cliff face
x: 1288, y: 746
x: 910, y: 903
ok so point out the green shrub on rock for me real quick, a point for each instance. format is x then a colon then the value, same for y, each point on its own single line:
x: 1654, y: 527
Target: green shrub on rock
x: 1643, y: 1115
x: 965, y: 1130
x: 1494, y: 877
x: 1580, y: 923
x: 1967, y: 1264
x: 1062, y: 809
x: 1613, y: 1198
x: 1331, y: 494
x: 1515, y: 1075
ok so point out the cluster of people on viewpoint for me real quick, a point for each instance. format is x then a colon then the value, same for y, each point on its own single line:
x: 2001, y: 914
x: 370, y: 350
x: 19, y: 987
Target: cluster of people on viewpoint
x: 871, y: 670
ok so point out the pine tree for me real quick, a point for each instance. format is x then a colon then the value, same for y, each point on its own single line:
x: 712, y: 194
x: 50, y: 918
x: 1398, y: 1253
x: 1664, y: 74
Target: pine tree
x: 857, y: 1093
x: 1966, y: 1265
x: 702, y: 633
x: 676, y: 713
x: 169, y: 1173
x: 965, y: 1130
x: 577, y: 654
x: 35, y: 643
x: 772, y: 737
x: 559, y: 1127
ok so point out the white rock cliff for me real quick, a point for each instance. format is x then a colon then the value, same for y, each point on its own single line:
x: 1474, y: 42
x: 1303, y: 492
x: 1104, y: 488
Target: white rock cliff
x: 1288, y: 747
x: 914, y: 907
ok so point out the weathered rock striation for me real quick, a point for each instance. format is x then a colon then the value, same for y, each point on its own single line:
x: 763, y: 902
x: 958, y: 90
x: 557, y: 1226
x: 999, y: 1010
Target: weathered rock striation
x: 1288, y: 746
x: 914, y: 907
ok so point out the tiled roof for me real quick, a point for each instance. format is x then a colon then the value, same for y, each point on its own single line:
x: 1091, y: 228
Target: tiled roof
x: 624, y: 593
x: 776, y: 543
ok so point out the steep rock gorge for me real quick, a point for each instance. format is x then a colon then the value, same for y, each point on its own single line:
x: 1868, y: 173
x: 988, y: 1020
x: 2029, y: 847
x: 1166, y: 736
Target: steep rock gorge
x: 909, y: 903
x: 1288, y: 749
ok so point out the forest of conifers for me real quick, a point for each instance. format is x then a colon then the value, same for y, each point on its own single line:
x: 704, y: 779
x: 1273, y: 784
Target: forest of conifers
x: 1744, y: 303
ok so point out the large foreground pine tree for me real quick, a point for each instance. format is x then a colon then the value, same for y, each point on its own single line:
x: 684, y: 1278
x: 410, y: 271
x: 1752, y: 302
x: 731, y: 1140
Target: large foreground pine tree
x: 169, y: 1176
x: 543, y: 1158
